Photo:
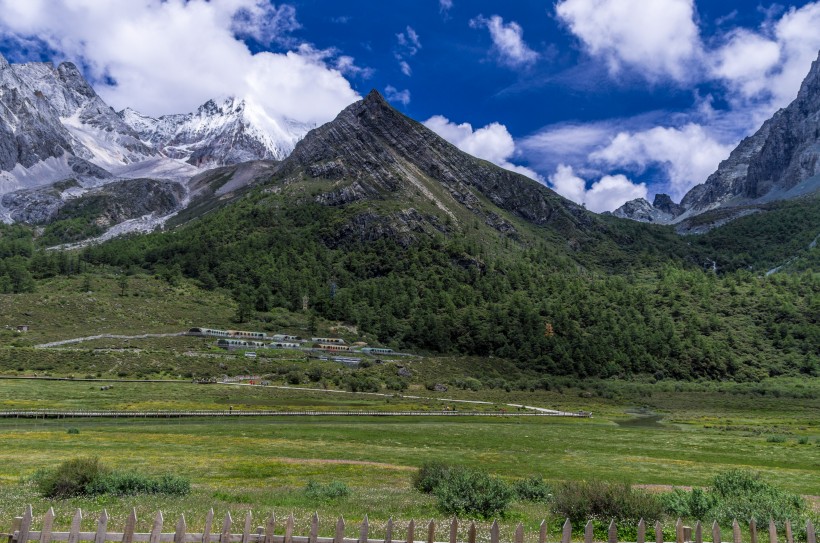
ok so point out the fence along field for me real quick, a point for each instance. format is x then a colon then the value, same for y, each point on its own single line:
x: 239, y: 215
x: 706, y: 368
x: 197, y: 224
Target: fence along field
x: 22, y: 532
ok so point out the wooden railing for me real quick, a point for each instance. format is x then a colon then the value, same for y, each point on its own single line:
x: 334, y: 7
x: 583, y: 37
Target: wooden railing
x: 55, y: 414
x: 23, y: 531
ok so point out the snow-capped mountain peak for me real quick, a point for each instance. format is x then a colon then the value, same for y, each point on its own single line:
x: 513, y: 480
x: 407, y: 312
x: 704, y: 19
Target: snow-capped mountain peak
x: 223, y: 132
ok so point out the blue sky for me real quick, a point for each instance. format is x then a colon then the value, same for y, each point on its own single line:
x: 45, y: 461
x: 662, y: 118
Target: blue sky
x: 603, y: 100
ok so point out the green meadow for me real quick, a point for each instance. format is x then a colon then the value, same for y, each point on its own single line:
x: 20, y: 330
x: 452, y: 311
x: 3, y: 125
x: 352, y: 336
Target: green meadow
x: 264, y: 464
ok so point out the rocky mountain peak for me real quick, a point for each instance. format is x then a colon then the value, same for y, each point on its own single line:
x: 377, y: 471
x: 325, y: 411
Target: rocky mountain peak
x: 372, y: 151
x: 73, y: 79
x: 811, y: 85
x: 664, y: 203
x: 3, y: 62
x: 780, y: 161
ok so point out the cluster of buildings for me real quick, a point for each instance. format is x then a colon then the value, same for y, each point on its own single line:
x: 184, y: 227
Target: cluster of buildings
x: 242, y: 339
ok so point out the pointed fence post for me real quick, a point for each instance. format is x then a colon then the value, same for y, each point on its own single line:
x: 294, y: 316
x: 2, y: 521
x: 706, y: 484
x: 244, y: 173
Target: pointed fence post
x: 130, y: 526
x: 752, y: 531
x: 411, y: 531
x: 15, y: 528
x: 789, y: 536
x: 270, y: 526
x: 566, y: 532
x: 772, y: 532
x: 339, y: 537
x: 156, y: 529
x: 364, y: 533
x: 698, y: 532
x: 225, y: 535
x: 641, y: 537
x: 658, y: 532
x: 715, y: 532
x: 431, y: 531
x: 246, y: 530
x: 314, y: 528
x: 48, y: 524
x: 289, y: 529
x: 679, y: 531
x: 494, y: 532
x: 519, y: 533
x: 542, y: 534
x: 25, y: 525
x: 454, y: 530
x: 589, y: 532
x: 471, y: 533
x: 388, y: 531
x: 102, y: 527
x: 613, y: 532
x: 209, y: 522
x: 811, y: 537
x: 74, y: 530
x: 182, y: 529
x: 735, y: 532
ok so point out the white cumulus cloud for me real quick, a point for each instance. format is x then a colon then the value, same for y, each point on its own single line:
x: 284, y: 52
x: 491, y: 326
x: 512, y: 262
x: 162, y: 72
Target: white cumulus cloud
x: 171, y: 56
x: 607, y: 194
x: 508, y: 41
x: 658, y: 37
x: 688, y: 154
x: 492, y: 142
x: 763, y: 68
x: 395, y: 95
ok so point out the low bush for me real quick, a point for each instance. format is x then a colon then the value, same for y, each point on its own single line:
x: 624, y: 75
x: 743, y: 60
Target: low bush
x: 71, y: 478
x: 89, y: 477
x: 580, y: 501
x: 331, y: 491
x: 532, y: 489
x: 130, y: 483
x: 737, y: 494
x: 430, y: 475
x: 464, y: 492
x: 473, y: 493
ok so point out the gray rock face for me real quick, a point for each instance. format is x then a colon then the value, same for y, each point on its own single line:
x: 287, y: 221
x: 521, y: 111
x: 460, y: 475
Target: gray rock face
x: 642, y: 211
x: 784, y: 153
x: 372, y: 150
x: 80, y: 108
x: 30, y: 128
x: 779, y: 161
x: 106, y: 205
x: 664, y: 203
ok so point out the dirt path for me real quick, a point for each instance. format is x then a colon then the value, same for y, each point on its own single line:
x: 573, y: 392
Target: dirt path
x: 102, y: 336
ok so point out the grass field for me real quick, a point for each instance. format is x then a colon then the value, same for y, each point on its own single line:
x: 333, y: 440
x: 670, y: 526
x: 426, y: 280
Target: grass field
x: 650, y: 433
x: 264, y: 464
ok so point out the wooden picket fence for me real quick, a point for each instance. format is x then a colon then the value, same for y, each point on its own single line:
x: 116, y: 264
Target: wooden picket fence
x: 23, y: 531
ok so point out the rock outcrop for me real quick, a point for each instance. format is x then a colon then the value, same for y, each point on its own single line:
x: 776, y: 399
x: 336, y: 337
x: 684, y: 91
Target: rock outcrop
x: 780, y: 161
x: 371, y: 151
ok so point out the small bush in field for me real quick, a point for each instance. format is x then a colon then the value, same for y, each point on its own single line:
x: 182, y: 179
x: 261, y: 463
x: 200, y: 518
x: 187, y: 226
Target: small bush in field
x: 430, y: 475
x: 473, y: 493
x: 89, y: 477
x: 331, y: 491
x: 533, y: 489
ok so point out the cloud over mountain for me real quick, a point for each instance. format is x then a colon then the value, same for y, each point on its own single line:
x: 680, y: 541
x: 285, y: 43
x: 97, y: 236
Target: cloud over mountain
x: 164, y: 57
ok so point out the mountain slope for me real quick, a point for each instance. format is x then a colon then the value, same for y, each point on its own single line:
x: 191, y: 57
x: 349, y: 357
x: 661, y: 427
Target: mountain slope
x: 102, y: 136
x: 372, y: 151
x: 780, y: 161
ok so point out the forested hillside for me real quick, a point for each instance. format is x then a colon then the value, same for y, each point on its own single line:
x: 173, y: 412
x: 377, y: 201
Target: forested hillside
x: 468, y: 293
